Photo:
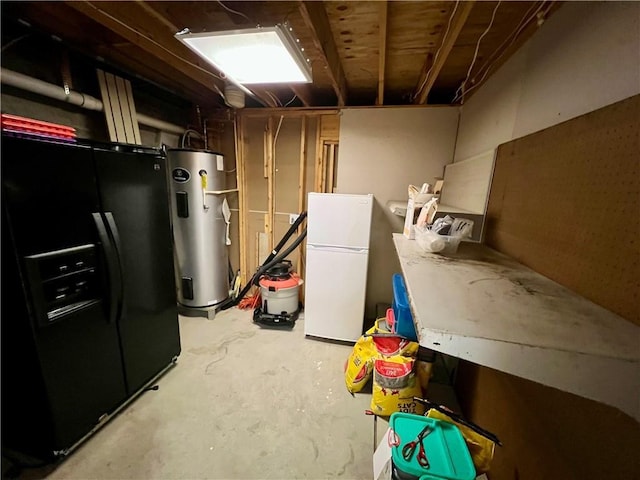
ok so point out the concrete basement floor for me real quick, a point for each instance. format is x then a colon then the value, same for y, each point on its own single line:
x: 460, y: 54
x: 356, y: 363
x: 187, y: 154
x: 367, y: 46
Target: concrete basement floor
x: 243, y: 402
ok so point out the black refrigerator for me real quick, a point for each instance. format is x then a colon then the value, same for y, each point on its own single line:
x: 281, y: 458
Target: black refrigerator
x: 89, y: 312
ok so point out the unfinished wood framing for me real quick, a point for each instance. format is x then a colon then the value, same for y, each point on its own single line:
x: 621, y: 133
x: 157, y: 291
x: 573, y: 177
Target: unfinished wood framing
x: 304, y: 93
x: 242, y: 196
x: 263, y: 97
x: 331, y: 166
x: 316, y: 19
x: 319, y: 164
x: 382, y: 51
x: 142, y: 31
x: 327, y: 135
x: 459, y: 17
x: 302, y: 192
x: 290, y: 112
x: 499, y: 56
x: 273, y: 193
x: 269, y: 218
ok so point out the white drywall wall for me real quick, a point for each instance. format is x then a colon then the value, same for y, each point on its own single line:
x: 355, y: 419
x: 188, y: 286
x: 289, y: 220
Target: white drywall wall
x: 382, y: 151
x: 586, y: 56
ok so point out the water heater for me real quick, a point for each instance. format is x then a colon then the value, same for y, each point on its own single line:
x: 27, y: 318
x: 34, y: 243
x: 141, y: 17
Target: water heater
x: 199, y: 228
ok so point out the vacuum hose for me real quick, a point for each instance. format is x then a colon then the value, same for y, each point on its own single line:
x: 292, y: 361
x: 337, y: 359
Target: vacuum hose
x: 269, y: 262
x: 279, y: 258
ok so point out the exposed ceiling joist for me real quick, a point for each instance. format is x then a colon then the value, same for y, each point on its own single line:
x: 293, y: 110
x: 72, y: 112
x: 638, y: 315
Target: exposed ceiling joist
x: 160, y: 43
x: 519, y: 35
x: 317, y: 21
x: 157, y: 15
x: 382, y: 51
x: 426, y: 67
x: 304, y: 93
x: 373, y: 52
x: 175, y: 59
x: 459, y: 17
x: 266, y: 97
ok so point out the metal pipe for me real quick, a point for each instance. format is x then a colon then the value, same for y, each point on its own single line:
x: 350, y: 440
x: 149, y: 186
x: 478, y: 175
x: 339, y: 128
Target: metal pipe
x: 24, y: 82
x: 159, y: 124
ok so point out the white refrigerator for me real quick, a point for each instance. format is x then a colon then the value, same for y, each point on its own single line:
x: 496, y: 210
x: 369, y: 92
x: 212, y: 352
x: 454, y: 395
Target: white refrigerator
x: 338, y: 228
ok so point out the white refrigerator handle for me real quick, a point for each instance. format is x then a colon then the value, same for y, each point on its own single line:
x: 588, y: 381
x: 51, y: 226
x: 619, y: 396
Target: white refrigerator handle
x: 336, y: 248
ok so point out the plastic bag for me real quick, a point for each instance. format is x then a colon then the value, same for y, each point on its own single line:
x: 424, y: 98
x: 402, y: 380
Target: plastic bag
x: 429, y: 241
x: 394, y: 386
x: 461, y: 227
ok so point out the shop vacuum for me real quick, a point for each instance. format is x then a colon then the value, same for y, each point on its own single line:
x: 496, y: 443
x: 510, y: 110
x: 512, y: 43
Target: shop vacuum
x: 279, y: 285
x: 280, y: 300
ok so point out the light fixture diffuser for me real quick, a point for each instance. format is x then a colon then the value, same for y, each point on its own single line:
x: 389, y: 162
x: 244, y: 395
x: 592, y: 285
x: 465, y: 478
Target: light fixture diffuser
x: 252, y: 56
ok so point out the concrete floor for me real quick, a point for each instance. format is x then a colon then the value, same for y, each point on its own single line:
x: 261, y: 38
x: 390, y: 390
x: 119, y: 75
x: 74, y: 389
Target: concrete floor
x: 243, y: 402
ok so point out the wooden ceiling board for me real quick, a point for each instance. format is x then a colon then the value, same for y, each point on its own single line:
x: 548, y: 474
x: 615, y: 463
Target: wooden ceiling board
x: 58, y: 19
x: 71, y: 26
x: 135, y: 20
x: 139, y: 36
x: 157, y: 42
x: 357, y: 40
x: 200, y: 16
x: 415, y: 30
x: 507, y: 18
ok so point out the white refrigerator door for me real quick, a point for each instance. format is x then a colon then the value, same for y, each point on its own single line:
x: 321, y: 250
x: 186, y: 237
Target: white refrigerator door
x: 335, y: 286
x: 339, y: 220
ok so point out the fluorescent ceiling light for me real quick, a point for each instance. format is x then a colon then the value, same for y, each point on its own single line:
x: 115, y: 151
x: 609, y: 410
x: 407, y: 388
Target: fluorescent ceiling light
x: 256, y: 55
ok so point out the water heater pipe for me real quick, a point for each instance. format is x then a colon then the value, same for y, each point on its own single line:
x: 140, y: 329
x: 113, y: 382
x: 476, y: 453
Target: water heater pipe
x: 221, y: 192
x: 30, y: 84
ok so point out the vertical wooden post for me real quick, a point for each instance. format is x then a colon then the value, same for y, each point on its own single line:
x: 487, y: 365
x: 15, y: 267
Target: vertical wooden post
x: 270, y: 217
x: 331, y: 167
x: 302, y: 186
x: 382, y: 51
x: 319, y: 157
x: 242, y: 196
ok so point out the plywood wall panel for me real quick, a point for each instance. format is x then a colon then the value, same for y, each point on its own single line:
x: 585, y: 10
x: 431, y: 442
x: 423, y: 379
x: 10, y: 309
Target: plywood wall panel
x: 566, y: 202
x: 254, y: 163
x: 287, y: 166
x: 547, y: 433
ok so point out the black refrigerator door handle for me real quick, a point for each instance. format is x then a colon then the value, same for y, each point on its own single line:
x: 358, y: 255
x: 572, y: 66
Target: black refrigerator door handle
x: 113, y: 228
x: 112, y: 266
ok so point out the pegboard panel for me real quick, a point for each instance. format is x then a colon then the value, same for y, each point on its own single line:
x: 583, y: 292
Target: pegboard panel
x: 565, y: 201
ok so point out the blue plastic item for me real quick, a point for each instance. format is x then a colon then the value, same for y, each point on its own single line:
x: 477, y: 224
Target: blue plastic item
x: 403, y: 324
x: 445, y: 449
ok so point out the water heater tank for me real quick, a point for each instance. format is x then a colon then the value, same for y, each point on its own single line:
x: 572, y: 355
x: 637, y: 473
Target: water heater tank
x: 199, y: 229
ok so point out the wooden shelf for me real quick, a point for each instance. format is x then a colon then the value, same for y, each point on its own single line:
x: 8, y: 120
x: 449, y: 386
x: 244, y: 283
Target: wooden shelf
x: 485, y: 307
